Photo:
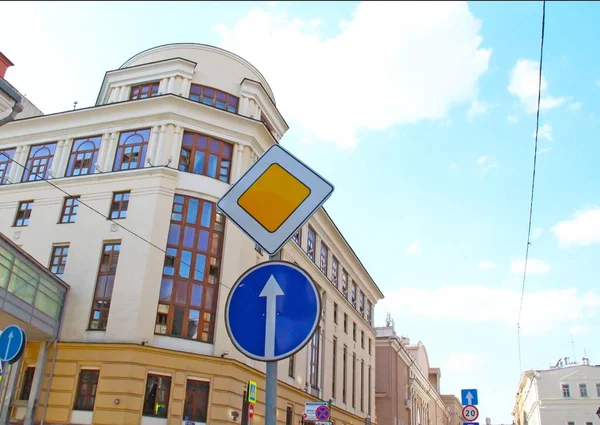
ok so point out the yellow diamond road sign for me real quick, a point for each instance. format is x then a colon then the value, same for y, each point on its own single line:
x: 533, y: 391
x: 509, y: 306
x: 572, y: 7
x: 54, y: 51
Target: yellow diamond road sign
x: 276, y: 196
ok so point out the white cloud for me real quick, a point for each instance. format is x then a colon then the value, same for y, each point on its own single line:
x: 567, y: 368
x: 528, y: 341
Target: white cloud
x: 463, y: 363
x: 477, y: 108
x: 583, y: 229
x: 533, y: 267
x: 414, y: 248
x: 479, y: 304
x: 578, y: 329
x: 452, y: 166
x: 486, y: 265
x: 271, y: 3
x: 512, y: 119
x: 335, y: 87
x: 524, y: 84
x: 487, y: 163
x: 544, y: 132
x: 575, y: 106
x: 536, y: 233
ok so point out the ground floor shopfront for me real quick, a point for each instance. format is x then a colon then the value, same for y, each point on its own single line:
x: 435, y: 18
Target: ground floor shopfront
x: 91, y: 383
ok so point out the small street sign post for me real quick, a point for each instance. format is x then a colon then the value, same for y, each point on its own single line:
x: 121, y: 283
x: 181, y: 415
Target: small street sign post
x: 273, y: 309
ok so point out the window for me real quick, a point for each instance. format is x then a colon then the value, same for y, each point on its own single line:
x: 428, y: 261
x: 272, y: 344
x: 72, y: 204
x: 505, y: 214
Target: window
x: 118, y: 207
x: 335, y: 313
x: 369, y: 391
x: 369, y: 312
x: 583, y: 390
x: 345, y: 373
x: 353, y: 294
x: 213, y: 97
x: 292, y: 366
x: 334, y: 366
x: 354, y: 380
x: 206, y: 156
x: 144, y: 90
x: 39, y: 162
x: 345, y: 283
x: 289, y: 415
x: 298, y: 236
x: 324, y: 258
x: 196, y: 401
x: 69, y: 210
x: 314, y: 359
x: 354, y: 331
x: 6, y: 157
x: 598, y: 390
x: 566, y: 391
x: 86, y: 390
x: 589, y: 423
x: 362, y: 385
x: 345, y: 323
x: 361, y: 303
x: 84, y: 155
x: 58, y: 260
x: 370, y: 346
x: 362, y: 339
x: 131, y: 151
x: 23, y: 214
x: 334, y: 271
x: 570, y: 423
x: 26, y: 383
x: 104, y: 285
x: 310, y: 243
x: 188, y: 294
x: 156, y: 398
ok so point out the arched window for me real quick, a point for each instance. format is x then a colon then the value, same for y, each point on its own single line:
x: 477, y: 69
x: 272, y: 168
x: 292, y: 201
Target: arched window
x: 84, y: 155
x: 131, y: 152
x: 39, y: 162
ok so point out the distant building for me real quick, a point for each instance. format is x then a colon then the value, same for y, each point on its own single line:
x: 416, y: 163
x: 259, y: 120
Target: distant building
x: 407, y: 389
x: 565, y: 394
x: 454, y: 408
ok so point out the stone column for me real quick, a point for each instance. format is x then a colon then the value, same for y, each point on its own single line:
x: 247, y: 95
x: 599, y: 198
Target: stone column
x: 161, y: 145
x: 124, y: 95
x: 176, y: 140
x: 162, y: 86
x: 65, y: 155
x: 110, y: 153
x: 238, y: 159
x: 104, y: 147
x: 20, y: 158
x: 56, y: 159
x: 243, y: 109
x: 185, y: 87
x: 14, y: 168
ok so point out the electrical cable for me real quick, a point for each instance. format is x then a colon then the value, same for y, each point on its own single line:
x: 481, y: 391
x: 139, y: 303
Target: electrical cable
x: 535, y: 152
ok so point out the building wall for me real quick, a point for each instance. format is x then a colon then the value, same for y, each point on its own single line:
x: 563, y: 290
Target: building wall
x: 137, y: 283
x: 454, y: 408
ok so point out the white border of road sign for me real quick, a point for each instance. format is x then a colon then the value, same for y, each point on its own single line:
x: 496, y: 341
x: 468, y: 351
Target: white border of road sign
x: 304, y: 342
x: 320, y: 191
x: 472, y: 407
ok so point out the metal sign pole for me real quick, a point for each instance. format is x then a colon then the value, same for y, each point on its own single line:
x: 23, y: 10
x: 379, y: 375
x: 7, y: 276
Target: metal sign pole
x: 271, y: 378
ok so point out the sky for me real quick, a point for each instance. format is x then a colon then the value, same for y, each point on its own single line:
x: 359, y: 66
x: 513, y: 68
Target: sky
x: 423, y: 116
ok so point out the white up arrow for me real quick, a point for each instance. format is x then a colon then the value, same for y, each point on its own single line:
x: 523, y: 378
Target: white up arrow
x: 469, y: 397
x: 271, y: 290
x: 10, y: 337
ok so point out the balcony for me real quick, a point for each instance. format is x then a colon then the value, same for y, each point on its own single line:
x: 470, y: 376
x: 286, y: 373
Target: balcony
x: 30, y: 296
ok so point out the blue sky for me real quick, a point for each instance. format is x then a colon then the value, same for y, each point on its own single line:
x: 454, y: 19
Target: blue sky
x: 421, y: 115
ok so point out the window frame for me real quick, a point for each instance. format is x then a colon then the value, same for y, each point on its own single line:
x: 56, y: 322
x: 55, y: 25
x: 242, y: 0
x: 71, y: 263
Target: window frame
x: 57, y: 253
x: 76, y: 151
x: 122, y: 146
x: 353, y: 294
x: 32, y: 169
x: 6, y: 163
x: 345, y: 374
x: 314, y: 359
x: 166, y: 395
x: 362, y: 385
x: 90, y: 392
x: 583, y: 392
x: 73, y: 209
x: 292, y: 366
x: 24, y: 220
x: 229, y: 107
x: 346, y: 323
x: 311, y: 244
x: 297, y: 237
x: 223, y: 161
x: 324, y: 259
x: 354, y: 380
x: 152, y: 92
x: 567, y: 393
x: 122, y: 205
x: 345, y: 278
x: 334, y: 370
x: 335, y: 313
x: 205, y: 386
x: 99, y: 275
x: 335, y: 272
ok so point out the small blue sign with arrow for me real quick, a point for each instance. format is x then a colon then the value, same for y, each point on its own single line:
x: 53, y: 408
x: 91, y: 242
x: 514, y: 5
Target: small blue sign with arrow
x: 469, y: 397
x: 12, y: 343
x: 272, y: 311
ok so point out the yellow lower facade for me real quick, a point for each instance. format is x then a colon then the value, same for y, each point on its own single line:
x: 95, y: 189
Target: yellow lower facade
x: 123, y: 371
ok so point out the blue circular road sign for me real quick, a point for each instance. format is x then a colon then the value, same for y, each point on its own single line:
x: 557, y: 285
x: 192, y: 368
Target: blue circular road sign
x: 272, y: 311
x: 12, y: 343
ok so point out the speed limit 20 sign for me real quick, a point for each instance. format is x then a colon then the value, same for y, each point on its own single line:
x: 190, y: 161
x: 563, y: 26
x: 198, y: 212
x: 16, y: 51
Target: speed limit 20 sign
x: 470, y: 413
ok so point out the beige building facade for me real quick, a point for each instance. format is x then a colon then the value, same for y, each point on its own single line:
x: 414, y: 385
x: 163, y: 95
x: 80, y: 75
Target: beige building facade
x: 407, y: 387
x: 119, y: 200
x: 454, y: 408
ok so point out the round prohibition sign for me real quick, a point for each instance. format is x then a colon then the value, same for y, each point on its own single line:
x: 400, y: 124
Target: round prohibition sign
x: 470, y: 413
x: 322, y: 413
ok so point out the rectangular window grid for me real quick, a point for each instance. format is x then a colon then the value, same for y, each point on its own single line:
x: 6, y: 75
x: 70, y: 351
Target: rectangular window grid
x: 23, y: 214
x: 6, y: 157
x: 213, y: 97
x: 310, y: 244
x: 86, y: 390
x: 58, y: 260
x: 324, y: 260
x: 39, y: 162
x: 144, y: 91
x: 131, y: 150
x: 156, y: 397
x: 119, y: 205
x: 195, y: 406
x: 69, y: 210
x: 104, y: 285
x: 206, y: 156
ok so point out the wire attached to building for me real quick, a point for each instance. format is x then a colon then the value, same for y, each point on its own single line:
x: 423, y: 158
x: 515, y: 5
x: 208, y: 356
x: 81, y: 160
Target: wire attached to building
x: 535, y: 152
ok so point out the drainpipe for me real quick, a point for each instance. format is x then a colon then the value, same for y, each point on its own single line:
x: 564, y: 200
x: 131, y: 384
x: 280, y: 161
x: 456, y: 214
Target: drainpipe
x: 14, y: 95
x: 49, y: 383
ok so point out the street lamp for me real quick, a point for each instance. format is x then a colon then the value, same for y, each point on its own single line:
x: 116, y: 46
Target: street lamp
x: 16, y: 97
